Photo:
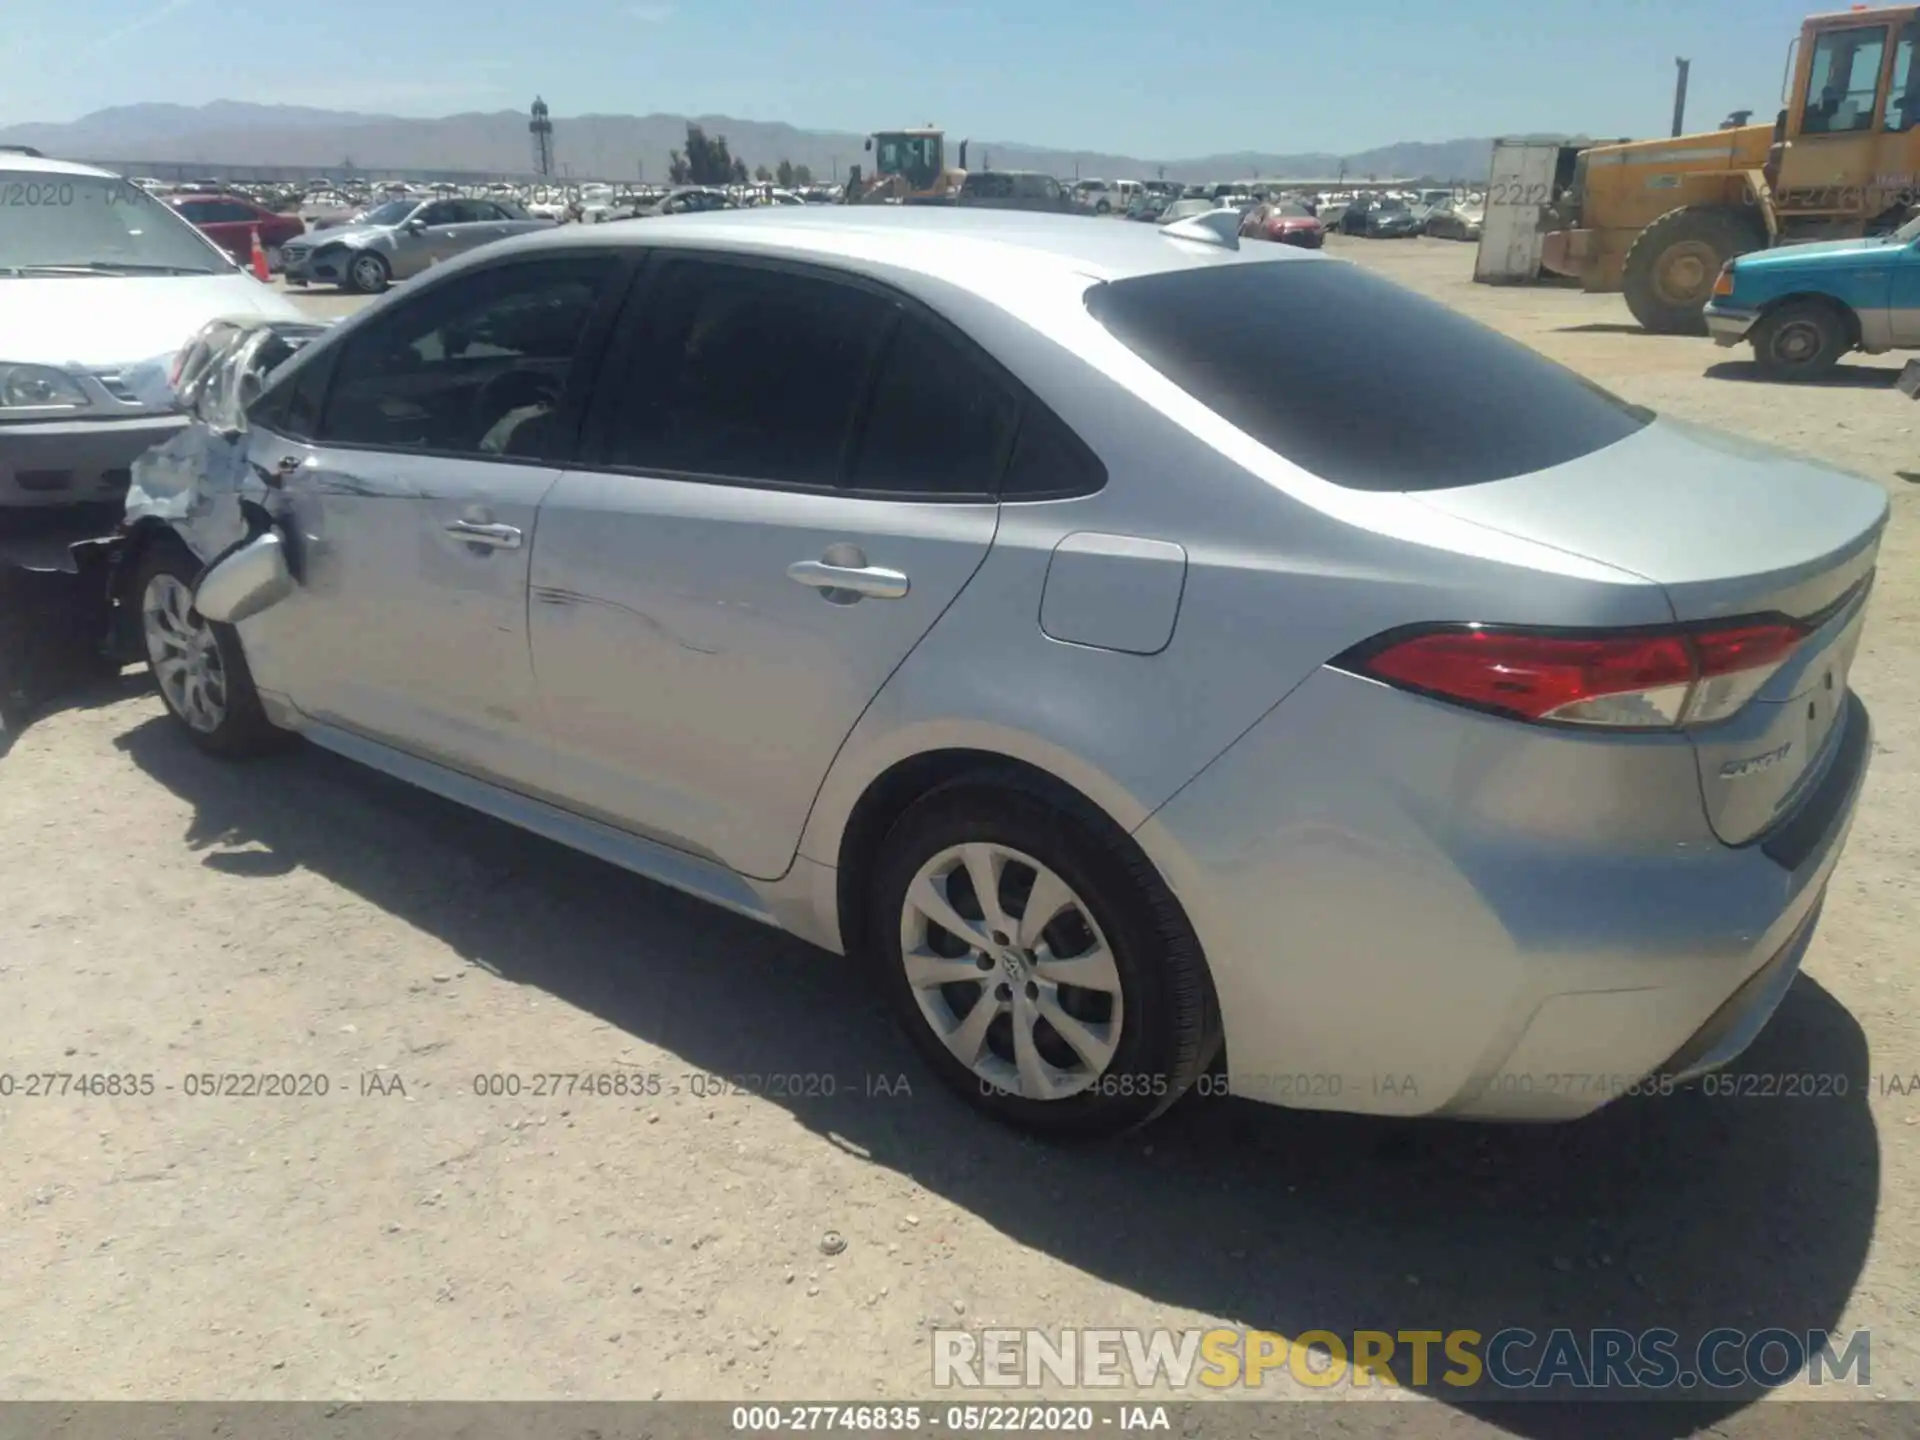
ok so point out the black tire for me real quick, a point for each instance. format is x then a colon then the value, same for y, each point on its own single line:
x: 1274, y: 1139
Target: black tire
x: 1169, y: 1027
x: 1801, y: 340
x: 1672, y: 264
x: 378, y: 275
x: 243, y: 729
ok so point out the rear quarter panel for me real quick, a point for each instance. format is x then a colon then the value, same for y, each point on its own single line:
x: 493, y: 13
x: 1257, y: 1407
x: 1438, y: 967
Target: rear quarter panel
x: 1275, y: 586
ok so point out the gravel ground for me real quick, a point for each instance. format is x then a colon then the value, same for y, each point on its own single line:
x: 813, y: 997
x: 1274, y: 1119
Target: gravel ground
x: 401, y: 1236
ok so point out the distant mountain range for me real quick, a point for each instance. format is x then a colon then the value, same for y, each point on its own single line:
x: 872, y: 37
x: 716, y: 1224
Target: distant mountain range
x: 620, y: 147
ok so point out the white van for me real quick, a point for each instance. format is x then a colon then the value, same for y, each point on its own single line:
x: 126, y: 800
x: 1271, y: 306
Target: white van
x: 96, y: 276
x: 1108, y: 196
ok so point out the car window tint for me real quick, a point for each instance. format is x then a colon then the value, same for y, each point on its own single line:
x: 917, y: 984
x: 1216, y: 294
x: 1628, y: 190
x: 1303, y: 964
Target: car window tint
x: 1395, y: 392
x: 939, y: 423
x: 1048, y: 460
x: 475, y: 367
x: 441, y: 212
x: 198, y: 211
x: 747, y: 373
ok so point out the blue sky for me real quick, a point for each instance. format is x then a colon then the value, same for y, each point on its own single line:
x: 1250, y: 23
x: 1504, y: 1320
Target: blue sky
x: 1148, y: 78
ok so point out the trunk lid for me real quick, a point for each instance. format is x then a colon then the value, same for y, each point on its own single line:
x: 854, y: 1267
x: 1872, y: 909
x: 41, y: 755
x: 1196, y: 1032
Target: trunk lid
x: 1728, y: 529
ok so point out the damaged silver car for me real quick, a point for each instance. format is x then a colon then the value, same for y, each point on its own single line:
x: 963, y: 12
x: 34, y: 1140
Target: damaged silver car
x: 197, y: 543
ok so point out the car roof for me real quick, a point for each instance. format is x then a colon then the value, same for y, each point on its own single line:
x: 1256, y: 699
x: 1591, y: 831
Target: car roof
x: 13, y: 160
x: 963, y: 247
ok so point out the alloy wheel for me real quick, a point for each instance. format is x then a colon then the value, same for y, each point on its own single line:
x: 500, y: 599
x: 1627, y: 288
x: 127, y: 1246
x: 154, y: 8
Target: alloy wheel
x: 368, y: 273
x: 1011, y: 971
x: 184, y: 654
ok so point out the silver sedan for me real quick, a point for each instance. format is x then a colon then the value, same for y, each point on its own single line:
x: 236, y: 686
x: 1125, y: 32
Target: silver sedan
x: 400, y: 239
x: 1160, y: 705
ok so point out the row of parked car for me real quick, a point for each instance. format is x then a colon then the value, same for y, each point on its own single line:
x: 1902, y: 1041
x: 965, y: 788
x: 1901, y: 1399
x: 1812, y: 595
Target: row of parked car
x: 1285, y: 217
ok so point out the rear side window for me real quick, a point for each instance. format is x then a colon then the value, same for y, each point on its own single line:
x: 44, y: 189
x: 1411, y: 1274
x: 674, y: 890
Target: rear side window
x: 1358, y: 380
x: 1049, y: 461
x: 939, y: 424
x: 748, y: 373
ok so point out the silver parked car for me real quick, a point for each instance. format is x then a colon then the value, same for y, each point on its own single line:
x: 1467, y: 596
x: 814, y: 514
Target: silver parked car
x: 1158, y: 704
x: 399, y: 239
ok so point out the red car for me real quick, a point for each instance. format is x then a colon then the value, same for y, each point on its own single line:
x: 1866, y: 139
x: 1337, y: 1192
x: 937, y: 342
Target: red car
x: 230, y: 221
x: 1287, y: 221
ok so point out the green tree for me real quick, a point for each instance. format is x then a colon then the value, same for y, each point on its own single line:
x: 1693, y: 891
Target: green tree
x: 785, y: 173
x: 763, y: 175
x: 802, y: 175
x: 739, y: 173
x: 705, y: 161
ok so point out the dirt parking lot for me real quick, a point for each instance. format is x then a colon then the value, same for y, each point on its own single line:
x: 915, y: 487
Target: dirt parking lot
x: 402, y: 1236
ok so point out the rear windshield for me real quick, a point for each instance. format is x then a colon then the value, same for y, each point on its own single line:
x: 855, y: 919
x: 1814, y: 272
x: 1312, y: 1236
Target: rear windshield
x: 1356, y: 379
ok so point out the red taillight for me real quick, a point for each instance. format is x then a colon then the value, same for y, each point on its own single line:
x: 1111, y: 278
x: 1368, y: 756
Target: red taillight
x: 1659, y: 678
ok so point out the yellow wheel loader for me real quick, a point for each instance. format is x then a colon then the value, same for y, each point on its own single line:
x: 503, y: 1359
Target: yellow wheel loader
x: 1658, y: 218
x: 909, y: 168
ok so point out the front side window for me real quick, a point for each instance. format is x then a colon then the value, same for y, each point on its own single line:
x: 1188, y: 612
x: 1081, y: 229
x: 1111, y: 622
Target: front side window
x: 1468, y: 405
x: 476, y: 367
x: 747, y: 373
x: 1842, y: 80
x: 58, y: 222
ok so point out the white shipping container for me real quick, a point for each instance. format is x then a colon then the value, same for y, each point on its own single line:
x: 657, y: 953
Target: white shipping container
x: 1519, y: 189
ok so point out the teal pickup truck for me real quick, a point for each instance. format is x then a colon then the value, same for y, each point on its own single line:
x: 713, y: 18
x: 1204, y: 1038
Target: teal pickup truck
x: 1804, y: 306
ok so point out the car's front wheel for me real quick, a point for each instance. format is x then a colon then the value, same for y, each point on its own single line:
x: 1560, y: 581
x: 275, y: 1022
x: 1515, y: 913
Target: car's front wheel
x: 1039, y: 962
x: 368, y: 273
x: 198, y: 667
x: 1802, y: 340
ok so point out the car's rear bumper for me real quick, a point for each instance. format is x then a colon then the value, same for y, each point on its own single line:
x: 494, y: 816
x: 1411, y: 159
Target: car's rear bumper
x: 73, y: 462
x: 1729, y: 325
x: 1407, y: 910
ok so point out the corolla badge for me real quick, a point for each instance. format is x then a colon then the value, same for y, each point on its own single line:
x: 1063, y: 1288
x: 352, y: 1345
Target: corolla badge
x: 1754, y: 764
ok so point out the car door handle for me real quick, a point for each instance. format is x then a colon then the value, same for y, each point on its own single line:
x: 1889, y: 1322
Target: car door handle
x: 500, y: 537
x: 854, y: 582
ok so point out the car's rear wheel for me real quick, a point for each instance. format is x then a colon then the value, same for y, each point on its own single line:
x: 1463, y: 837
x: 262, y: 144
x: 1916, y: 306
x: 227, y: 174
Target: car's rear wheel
x: 368, y: 273
x: 198, y: 667
x: 1802, y: 340
x: 1039, y: 962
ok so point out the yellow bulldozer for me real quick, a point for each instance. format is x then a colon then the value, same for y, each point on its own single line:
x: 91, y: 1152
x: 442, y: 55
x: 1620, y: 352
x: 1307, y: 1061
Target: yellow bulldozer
x: 909, y: 168
x: 1658, y: 218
